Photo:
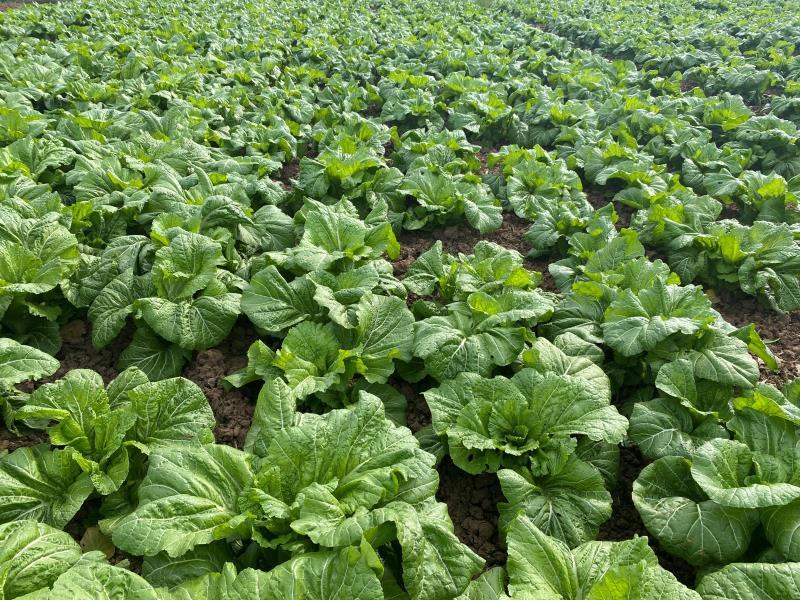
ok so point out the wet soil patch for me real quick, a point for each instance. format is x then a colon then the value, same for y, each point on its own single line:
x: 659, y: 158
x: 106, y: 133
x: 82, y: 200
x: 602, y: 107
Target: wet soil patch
x: 483, y: 159
x: 289, y: 173
x: 77, y: 351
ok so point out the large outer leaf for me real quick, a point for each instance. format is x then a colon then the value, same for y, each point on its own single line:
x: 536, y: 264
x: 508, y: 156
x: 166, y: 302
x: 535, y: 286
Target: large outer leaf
x: 569, y: 505
x: 682, y: 518
x: 273, y: 304
x: 780, y: 527
x: 170, y: 410
x: 42, y: 484
x: 188, y: 497
x: 193, y: 324
x: 752, y: 581
x: 32, y: 556
x: 20, y: 363
x: 385, y: 332
x: 724, y: 359
x: 490, y: 585
x: 627, y: 569
x: 111, y: 308
x: 162, y: 570
x: 662, y: 427
x: 538, y: 564
x: 725, y: 468
x: 157, y: 358
x: 546, y: 357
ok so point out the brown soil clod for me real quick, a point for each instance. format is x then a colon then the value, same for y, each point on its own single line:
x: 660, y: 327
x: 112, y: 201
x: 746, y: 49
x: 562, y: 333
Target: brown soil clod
x: 472, y: 503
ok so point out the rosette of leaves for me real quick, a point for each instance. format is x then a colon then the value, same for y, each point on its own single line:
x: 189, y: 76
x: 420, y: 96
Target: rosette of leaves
x: 336, y: 239
x: 491, y: 268
x: 409, y: 99
x: 309, y: 488
x: 706, y: 501
x: 37, y: 255
x: 598, y: 248
x: 759, y: 197
x: 108, y: 192
x: 485, y: 331
x: 441, y: 198
x: 772, y: 142
x: 492, y: 303
x: 223, y: 212
x: 274, y: 304
x: 551, y: 196
x: 343, y: 164
x: 416, y: 148
x: 480, y: 106
x: 338, y: 261
x: 761, y: 260
x: 330, y: 360
x: 103, y: 436
x: 541, y: 431
x: 541, y: 567
x: 183, y: 303
x: 635, y: 175
x: 633, y: 306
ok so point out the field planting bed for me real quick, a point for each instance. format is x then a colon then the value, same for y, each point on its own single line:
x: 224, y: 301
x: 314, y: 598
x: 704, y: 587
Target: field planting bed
x: 412, y: 300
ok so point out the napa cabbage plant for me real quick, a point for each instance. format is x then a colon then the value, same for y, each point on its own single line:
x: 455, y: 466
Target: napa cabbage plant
x: 102, y: 436
x: 181, y: 301
x: 545, y: 431
x: 727, y: 483
x: 542, y: 567
x: 482, y: 308
x: 490, y: 269
x: 372, y: 488
x: 37, y: 255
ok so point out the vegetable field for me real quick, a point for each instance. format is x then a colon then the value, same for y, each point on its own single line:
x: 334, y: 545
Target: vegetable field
x: 423, y: 300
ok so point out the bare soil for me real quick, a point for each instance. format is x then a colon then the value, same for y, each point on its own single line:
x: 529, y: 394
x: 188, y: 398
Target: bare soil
x: 472, y: 503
